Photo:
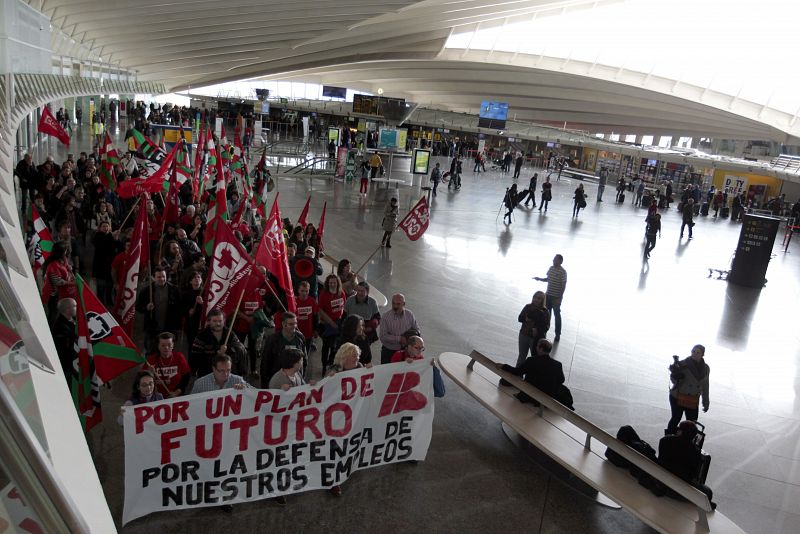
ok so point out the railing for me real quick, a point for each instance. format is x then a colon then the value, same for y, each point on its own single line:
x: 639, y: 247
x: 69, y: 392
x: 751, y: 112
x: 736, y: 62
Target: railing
x: 683, y: 488
x: 321, y: 164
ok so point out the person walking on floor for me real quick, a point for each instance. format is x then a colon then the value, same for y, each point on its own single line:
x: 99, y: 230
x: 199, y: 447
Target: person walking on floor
x: 389, y: 222
x: 518, y: 165
x: 580, y: 200
x: 436, y: 177
x: 602, y: 184
x: 688, y: 217
x: 652, y: 230
x: 547, y: 194
x: 556, y: 285
x: 532, y: 190
x: 510, y: 200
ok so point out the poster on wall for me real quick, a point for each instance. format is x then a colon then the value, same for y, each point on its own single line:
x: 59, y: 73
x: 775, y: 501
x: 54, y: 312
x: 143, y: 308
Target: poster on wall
x: 387, y: 138
x: 234, y: 446
x: 421, y: 161
x: 402, y: 139
x: 734, y: 184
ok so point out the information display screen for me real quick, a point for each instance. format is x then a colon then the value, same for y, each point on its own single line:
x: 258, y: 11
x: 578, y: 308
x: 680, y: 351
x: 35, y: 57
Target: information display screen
x: 494, y: 110
x: 334, y: 92
x: 421, y: 161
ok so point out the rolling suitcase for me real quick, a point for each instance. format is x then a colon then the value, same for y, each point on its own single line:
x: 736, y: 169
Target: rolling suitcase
x: 704, y: 209
x: 725, y: 211
x: 705, y: 458
x: 621, y: 198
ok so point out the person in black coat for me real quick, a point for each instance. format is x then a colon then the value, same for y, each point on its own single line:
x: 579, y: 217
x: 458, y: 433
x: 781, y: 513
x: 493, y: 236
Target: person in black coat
x: 161, y: 308
x: 106, y: 247
x: 543, y: 373
x: 65, y: 336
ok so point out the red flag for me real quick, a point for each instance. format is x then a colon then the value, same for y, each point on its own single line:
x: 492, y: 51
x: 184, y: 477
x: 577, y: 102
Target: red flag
x: 416, y: 221
x: 152, y: 184
x: 198, y: 161
x: 138, y: 256
x: 49, y: 125
x: 229, y: 272
x: 271, y: 254
x: 301, y: 220
x: 172, y: 211
x: 321, y: 227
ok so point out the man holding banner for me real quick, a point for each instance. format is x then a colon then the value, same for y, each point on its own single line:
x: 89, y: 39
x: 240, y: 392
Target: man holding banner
x: 228, y: 446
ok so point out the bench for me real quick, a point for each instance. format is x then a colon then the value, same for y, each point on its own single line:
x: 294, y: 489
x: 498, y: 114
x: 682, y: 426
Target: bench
x: 567, y: 438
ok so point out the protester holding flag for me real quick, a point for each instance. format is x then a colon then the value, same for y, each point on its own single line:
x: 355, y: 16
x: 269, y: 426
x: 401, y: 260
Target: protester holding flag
x: 106, y: 247
x: 159, y: 303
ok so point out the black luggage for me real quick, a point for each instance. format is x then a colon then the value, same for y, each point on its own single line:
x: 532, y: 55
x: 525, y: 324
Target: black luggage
x: 725, y: 211
x: 621, y: 198
x: 704, y: 209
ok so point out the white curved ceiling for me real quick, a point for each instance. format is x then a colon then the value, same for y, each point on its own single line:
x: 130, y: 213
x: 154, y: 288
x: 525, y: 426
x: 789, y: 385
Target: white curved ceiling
x: 412, y: 49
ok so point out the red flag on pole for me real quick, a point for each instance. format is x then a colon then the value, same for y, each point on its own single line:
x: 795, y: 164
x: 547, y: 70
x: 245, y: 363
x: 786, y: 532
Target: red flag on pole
x: 229, y: 272
x: 321, y: 227
x: 271, y: 254
x: 416, y: 221
x: 301, y: 220
x: 138, y: 256
x: 172, y: 210
x: 49, y: 125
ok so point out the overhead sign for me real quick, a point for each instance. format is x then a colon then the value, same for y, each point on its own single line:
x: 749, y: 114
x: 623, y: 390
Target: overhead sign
x: 234, y: 446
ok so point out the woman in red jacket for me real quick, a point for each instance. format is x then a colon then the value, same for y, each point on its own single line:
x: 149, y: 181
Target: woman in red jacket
x: 331, y: 309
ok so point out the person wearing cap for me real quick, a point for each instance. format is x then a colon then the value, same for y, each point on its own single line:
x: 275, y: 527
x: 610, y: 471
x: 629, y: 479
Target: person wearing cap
x: 390, y: 215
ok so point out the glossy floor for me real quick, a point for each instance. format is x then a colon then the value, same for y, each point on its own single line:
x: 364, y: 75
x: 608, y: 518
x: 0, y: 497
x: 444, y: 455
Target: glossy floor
x: 467, y: 279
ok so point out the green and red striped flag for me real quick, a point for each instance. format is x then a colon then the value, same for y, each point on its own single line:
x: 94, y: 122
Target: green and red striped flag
x: 149, y: 155
x: 217, y: 207
x: 109, y: 157
x: 104, y: 352
x: 41, y: 241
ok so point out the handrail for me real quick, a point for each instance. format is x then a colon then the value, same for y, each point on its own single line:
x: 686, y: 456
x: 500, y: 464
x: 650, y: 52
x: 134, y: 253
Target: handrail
x: 683, y: 488
x: 306, y: 164
x: 29, y: 468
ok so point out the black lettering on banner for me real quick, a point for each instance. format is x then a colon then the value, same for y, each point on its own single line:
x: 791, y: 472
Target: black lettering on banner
x: 405, y: 448
x: 315, y: 450
x: 209, y: 491
x: 300, y: 477
x: 230, y: 488
x: 248, y: 480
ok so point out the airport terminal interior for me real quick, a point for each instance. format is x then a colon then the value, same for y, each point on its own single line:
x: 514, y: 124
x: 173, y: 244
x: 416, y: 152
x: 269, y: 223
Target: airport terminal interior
x: 467, y: 278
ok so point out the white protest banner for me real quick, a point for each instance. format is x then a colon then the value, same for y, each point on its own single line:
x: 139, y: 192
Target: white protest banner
x: 233, y: 446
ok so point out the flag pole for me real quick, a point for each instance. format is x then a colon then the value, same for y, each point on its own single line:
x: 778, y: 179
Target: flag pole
x: 269, y: 286
x: 128, y: 216
x: 233, y: 316
x: 366, y: 262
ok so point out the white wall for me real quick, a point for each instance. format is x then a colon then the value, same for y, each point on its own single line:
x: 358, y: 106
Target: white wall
x: 24, y: 39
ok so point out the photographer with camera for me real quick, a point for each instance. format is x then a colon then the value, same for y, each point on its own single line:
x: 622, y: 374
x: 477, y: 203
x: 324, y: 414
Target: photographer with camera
x: 689, y: 382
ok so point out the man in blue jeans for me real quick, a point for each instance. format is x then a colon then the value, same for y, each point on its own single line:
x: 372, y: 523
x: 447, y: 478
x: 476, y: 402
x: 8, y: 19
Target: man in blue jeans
x: 556, y: 284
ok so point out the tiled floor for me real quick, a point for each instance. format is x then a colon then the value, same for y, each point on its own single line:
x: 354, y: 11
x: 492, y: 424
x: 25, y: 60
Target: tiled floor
x: 466, y: 281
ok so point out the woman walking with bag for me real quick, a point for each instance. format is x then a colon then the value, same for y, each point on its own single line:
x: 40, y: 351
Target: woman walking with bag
x: 690, y: 382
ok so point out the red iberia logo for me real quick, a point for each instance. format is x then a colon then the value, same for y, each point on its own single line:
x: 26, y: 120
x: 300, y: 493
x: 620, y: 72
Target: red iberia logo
x: 400, y: 396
